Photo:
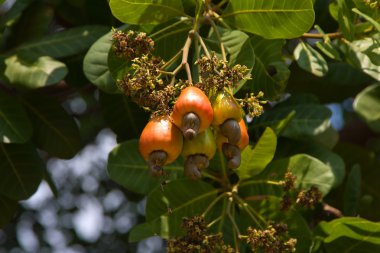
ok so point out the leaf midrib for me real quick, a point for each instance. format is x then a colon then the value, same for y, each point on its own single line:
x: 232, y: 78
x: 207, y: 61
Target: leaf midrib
x: 14, y: 169
x: 63, y: 137
x: 158, y: 5
x: 263, y: 11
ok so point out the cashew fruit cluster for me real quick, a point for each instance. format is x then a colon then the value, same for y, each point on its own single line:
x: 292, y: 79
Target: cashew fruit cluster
x: 196, y: 128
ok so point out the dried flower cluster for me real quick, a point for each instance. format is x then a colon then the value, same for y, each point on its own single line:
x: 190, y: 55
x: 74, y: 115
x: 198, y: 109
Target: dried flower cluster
x: 145, y: 86
x: 289, y: 181
x: 131, y: 44
x: 273, y: 239
x: 216, y: 74
x: 310, y: 197
x: 197, y: 240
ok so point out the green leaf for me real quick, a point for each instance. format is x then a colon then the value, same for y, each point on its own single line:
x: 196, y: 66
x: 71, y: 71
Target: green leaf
x: 309, y: 120
x: 271, y: 19
x: 168, y: 43
x: 368, y: 18
x: 289, y: 147
x: 65, y: 43
x: 15, y: 126
x: 147, y: 11
x: 184, y: 198
x: 95, y: 65
x: 34, y: 73
x: 367, y: 106
x: 310, y: 60
x: 124, y: 117
x: 21, y: 170
x: 54, y: 130
x: 8, y: 208
x: 270, y: 73
x: 346, y: 18
x: 352, y: 192
x: 361, y: 60
x: 127, y: 167
x: 140, y: 232
x: 349, y: 235
x: 309, y: 172
x: 254, y: 160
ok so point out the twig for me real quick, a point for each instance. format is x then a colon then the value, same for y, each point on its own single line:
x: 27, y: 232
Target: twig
x: 321, y: 36
x: 251, y: 212
x: 173, y: 59
x: 185, y: 56
x: 219, y: 39
x: 203, y: 45
x: 213, y: 203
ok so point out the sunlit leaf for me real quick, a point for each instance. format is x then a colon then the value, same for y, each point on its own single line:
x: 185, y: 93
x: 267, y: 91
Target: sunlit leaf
x: 271, y: 18
x: 34, y: 73
x: 255, y: 159
x: 147, y: 11
x: 310, y: 60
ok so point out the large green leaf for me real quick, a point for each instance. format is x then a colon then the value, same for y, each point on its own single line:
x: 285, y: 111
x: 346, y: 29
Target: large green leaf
x: 367, y: 105
x: 254, y: 160
x: 180, y: 198
x: 146, y: 11
x: 271, y: 18
x: 349, y: 235
x: 95, y: 65
x: 270, y: 73
x: 309, y: 172
x: 124, y: 117
x: 8, y: 208
x: 127, y: 167
x: 352, y: 192
x: 21, y: 170
x: 168, y: 43
x: 34, y: 73
x: 54, y: 130
x: 65, y: 43
x: 15, y: 126
x: 289, y: 147
x: 310, y: 60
